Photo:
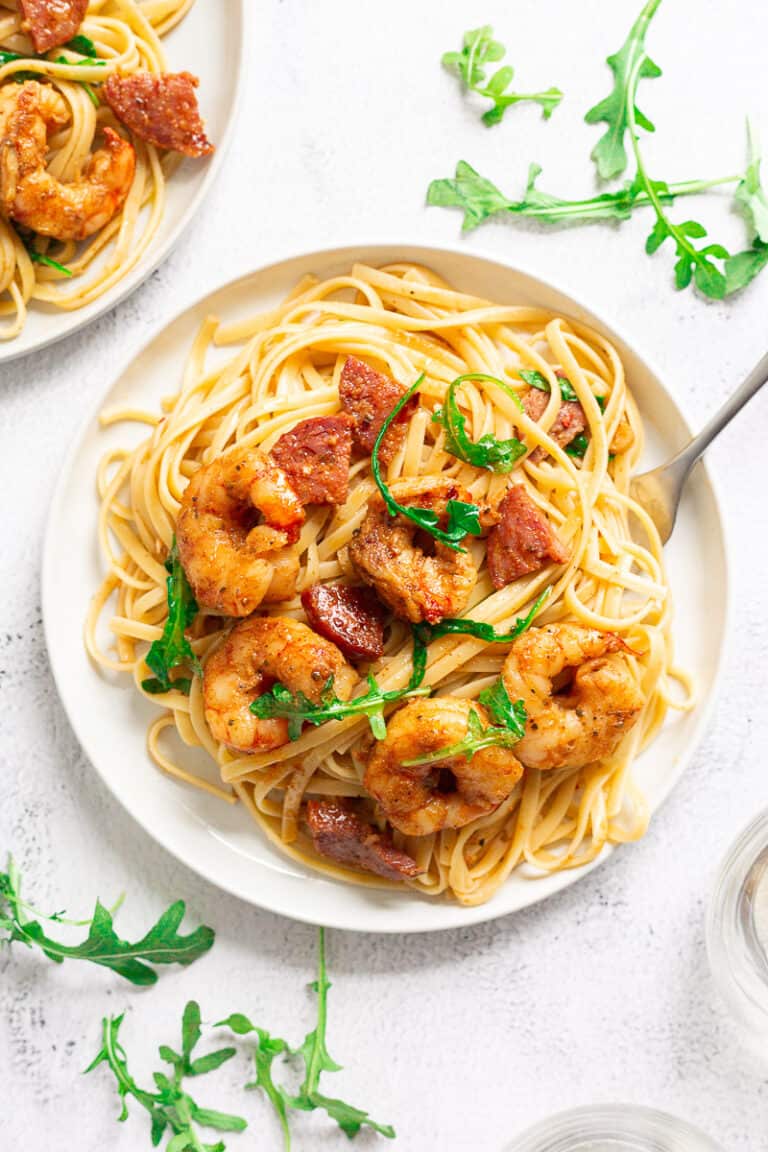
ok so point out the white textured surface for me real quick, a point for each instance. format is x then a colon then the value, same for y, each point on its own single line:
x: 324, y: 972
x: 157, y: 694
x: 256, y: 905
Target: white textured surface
x: 603, y: 993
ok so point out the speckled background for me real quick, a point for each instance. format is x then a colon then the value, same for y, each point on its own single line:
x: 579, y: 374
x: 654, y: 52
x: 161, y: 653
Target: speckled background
x: 604, y: 993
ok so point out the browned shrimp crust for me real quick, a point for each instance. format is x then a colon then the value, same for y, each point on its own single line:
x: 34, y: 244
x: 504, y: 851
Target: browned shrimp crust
x: 256, y: 654
x: 419, y: 578
x: 419, y: 799
x: 583, y: 720
x: 29, y: 194
x: 238, y: 522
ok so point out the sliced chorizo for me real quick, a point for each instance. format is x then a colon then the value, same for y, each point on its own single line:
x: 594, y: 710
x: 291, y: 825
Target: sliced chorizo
x: 315, y: 456
x: 160, y: 109
x: 50, y: 23
x: 569, y: 423
x: 339, y: 833
x: 523, y: 541
x: 353, y: 618
x: 369, y: 397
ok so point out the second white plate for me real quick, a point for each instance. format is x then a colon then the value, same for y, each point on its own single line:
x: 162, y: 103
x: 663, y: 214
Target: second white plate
x: 110, y: 718
x: 209, y: 42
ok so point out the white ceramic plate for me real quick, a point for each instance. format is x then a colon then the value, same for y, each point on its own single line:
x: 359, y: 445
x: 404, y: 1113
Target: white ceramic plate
x: 210, y: 43
x: 110, y: 717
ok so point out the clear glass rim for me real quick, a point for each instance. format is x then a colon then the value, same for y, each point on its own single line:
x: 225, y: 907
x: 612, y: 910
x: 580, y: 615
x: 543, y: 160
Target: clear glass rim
x: 732, y: 961
x: 630, y: 1126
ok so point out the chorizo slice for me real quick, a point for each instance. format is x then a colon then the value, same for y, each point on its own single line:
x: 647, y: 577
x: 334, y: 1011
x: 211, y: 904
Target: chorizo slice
x: 569, y: 423
x: 353, y: 618
x: 50, y: 23
x: 523, y: 541
x: 160, y: 109
x: 340, y: 834
x: 315, y: 456
x: 369, y: 397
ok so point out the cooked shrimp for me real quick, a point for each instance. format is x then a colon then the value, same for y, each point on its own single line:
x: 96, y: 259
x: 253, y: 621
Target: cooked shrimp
x: 423, y: 798
x: 420, y: 578
x: 239, y: 517
x: 571, y: 726
x: 257, y: 653
x: 30, y: 195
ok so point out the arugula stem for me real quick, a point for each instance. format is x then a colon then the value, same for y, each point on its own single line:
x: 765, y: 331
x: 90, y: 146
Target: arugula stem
x: 323, y: 984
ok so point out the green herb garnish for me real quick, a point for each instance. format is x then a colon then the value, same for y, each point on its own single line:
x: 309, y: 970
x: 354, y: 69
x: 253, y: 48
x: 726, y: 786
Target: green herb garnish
x: 463, y: 519
x: 41, y: 258
x: 752, y: 201
x: 173, y: 648
x: 486, y: 632
x: 708, y: 265
x: 314, y: 1055
x: 478, y: 49
x: 487, y: 452
x: 170, y: 1107
x: 298, y: 710
x: 479, y: 198
x: 578, y: 446
x: 619, y: 111
x: 511, y: 717
x: 84, y: 45
x: 162, y: 944
x: 538, y: 380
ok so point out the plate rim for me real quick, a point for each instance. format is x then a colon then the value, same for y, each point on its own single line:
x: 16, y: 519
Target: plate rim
x: 124, y: 289
x: 443, y: 912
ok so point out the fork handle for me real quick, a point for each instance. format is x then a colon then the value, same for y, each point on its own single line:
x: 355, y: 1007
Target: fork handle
x: 687, y: 457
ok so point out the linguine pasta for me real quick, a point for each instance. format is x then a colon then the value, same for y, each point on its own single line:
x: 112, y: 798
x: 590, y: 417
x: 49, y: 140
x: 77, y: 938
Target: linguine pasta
x: 285, y: 368
x: 126, y: 35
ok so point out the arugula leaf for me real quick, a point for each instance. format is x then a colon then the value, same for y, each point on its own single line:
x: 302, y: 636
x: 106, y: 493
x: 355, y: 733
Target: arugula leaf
x: 742, y: 268
x: 502, y: 708
x: 619, y: 110
x: 479, y: 199
x: 84, y: 45
x: 538, y: 380
x: 477, y: 736
x: 487, y: 452
x: 314, y: 1055
x: 162, y: 944
x: 173, y: 648
x: 478, y: 49
x: 578, y: 446
x: 462, y: 626
x: 751, y: 199
x: 462, y: 519
x: 692, y: 263
x: 280, y: 702
x: 750, y: 196
x: 170, y: 1107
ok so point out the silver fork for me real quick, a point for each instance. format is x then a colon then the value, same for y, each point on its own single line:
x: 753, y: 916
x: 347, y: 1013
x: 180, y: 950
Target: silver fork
x: 660, y: 490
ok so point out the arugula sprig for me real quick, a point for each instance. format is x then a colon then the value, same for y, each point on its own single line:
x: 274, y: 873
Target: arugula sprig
x: 751, y: 199
x: 510, y: 715
x: 298, y: 710
x: 173, y: 648
x: 714, y: 271
x: 463, y: 626
x: 479, y: 49
x: 480, y: 199
x: 619, y: 110
x: 462, y: 519
x: 489, y: 451
x: 538, y: 380
x: 314, y: 1055
x: 170, y: 1106
x: 162, y: 944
